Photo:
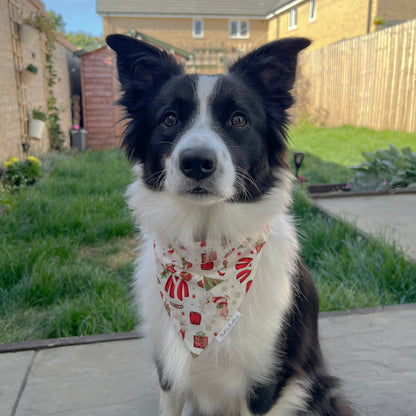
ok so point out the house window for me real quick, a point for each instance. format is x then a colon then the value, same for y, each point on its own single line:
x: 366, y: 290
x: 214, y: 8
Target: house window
x: 293, y: 18
x: 198, y: 28
x: 312, y: 10
x: 239, y: 29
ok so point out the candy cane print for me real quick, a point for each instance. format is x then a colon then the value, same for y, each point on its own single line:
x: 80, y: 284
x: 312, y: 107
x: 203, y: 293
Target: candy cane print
x: 242, y: 276
x: 243, y: 263
x: 183, y: 290
x: 170, y: 287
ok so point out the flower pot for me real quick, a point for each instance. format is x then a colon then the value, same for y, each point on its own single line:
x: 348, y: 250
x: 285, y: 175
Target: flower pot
x: 26, y: 76
x: 27, y: 34
x: 79, y: 139
x: 36, y: 128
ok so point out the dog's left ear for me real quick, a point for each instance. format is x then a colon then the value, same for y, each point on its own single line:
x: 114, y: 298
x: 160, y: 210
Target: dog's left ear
x: 272, y: 66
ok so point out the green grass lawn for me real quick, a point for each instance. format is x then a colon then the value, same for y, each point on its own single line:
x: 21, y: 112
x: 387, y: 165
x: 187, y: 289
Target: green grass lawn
x: 351, y: 271
x: 66, y: 253
x: 330, y: 151
x: 63, y: 261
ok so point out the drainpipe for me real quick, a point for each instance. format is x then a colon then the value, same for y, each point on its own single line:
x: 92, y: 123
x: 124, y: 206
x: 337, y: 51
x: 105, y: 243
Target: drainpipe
x: 370, y: 4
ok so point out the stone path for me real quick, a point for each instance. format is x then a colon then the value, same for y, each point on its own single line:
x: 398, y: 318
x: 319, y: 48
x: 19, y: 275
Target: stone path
x: 389, y: 216
x: 373, y: 351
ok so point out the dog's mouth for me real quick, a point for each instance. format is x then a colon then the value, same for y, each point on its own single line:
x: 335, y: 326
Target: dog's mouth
x: 199, y: 190
x: 203, y: 195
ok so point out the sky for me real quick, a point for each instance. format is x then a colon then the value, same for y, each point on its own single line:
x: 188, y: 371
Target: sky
x: 79, y: 15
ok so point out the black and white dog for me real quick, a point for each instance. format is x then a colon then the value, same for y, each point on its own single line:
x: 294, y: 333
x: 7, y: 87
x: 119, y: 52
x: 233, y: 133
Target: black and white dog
x: 230, y: 308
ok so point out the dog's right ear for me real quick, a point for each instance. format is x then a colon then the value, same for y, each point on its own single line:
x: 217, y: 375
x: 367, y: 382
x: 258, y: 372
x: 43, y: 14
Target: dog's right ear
x: 141, y: 65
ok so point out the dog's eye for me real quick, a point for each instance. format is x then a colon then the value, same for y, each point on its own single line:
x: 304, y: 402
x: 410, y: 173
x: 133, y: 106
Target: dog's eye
x: 170, y: 120
x: 238, y: 120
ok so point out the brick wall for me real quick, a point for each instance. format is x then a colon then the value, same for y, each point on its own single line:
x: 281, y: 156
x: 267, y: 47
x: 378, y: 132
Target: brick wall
x: 335, y: 20
x: 10, y: 126
x: 178, y: 32
x: 9, y: 118
x: 398, y: 10
x: 36, y: 95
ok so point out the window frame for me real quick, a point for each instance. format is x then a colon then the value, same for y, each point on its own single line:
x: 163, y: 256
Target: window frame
x: 312, y: 11
x: 239, y: 23
x: 293, y: 18
x: 195, y: 35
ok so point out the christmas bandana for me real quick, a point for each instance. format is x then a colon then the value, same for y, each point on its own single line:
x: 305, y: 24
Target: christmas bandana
x: 203, y: 285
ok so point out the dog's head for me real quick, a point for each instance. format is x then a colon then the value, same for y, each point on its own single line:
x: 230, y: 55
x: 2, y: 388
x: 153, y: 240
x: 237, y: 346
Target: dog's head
x: 207, y: 139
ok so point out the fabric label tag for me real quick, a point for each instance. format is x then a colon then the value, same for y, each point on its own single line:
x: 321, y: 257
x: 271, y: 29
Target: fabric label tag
x: 230, y: 324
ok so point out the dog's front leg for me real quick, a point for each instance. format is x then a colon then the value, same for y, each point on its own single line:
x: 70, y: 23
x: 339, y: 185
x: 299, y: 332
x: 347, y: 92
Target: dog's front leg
x: 244, y: 409
x: 170, y: 405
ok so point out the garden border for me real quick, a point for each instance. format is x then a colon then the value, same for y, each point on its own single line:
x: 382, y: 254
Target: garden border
x: 127, y: 336
x: 68, y: 341
x: 346, y: 194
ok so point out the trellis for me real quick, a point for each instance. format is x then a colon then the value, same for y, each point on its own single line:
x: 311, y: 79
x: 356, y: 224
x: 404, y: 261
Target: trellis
x: 15, y: 18
x: 207, y: 61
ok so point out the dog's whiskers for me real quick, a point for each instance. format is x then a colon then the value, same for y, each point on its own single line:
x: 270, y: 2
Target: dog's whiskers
x: 242, y: 177
x: 241, y: 190
x: 157, y: 178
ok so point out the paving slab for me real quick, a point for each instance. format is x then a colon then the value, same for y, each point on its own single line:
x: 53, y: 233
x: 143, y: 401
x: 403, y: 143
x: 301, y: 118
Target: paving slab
x: 13, y: 369
x: 105, y: 379
x: 375, y: 356
x: 373, y: 351
x: 390, y: 216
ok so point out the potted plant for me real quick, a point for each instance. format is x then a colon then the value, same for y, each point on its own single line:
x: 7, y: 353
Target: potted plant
x: 27, y: 32
x: 37, y: 124
x: 28, y: 73
x: 78, y: 137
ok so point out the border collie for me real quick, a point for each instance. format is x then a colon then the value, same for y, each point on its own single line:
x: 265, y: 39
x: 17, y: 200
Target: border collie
x: 231, y: 310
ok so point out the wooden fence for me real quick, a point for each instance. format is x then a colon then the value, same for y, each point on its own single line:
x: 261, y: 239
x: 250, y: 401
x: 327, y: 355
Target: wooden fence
x: 368, y: 81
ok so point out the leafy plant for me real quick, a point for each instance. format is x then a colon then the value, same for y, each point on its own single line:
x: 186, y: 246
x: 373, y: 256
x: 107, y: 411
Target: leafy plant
x: 379, y: 20
x: 49, y: 23
x: 385, y: 170
x: 39, y: 115
x: 81, y: 39
x: 32, y: 68
x: 17, y: 173
x: 6, y: 197
x: 55, y: 131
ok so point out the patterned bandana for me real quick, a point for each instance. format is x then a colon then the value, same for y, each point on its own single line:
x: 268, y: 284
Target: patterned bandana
x: 203, y: 285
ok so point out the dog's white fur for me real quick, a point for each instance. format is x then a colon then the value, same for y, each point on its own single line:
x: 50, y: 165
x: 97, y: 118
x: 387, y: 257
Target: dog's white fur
x: 221, y: 371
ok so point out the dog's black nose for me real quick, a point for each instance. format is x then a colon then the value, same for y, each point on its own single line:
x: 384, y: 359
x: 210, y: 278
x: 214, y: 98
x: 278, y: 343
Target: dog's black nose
x: 197, y: 163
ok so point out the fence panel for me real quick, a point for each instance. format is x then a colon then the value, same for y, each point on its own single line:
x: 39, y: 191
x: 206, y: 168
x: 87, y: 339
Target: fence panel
x: 368, y: 81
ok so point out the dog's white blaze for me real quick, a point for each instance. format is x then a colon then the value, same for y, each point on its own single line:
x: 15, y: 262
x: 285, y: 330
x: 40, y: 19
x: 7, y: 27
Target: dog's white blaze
x: 205, y: 87
x: 201, y: 134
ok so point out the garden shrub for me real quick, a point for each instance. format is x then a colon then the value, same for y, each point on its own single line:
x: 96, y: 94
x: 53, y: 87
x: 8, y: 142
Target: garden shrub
x: 21, y: 172
x: 385, y: 170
